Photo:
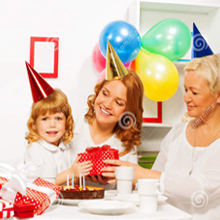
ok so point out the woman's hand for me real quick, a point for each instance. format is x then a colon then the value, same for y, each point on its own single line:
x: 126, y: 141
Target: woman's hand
x: 92, y: 178
x: 98, y: 179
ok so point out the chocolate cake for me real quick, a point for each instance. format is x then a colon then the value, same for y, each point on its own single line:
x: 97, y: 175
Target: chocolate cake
x: 76, y: 193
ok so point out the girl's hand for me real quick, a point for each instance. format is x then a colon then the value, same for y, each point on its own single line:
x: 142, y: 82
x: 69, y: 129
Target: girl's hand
x: 78, y: 167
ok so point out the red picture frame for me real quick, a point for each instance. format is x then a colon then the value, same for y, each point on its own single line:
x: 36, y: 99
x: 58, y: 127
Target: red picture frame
x: 55, y: 40
x: 159, y: 115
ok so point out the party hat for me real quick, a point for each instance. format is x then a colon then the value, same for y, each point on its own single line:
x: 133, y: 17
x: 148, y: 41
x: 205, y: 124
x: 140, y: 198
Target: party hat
x: 200, y: 47
x: 39, y: 87
x: 114, y: 67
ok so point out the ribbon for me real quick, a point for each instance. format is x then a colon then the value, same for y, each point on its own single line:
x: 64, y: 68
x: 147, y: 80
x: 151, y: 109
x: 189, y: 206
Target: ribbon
x: 98, y: 149
x: 17, y: 182
x: 6, y: 170
x: 21, y: 178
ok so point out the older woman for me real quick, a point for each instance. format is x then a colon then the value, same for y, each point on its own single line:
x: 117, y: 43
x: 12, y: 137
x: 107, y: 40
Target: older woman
x: 188, y: 163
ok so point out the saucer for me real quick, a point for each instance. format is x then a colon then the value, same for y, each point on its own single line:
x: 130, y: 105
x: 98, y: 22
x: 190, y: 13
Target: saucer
x: 134, y: 198
x: 107, y: 207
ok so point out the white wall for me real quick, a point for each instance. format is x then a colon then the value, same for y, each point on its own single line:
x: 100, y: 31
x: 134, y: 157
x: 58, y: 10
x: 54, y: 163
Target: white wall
x: 78, y: 25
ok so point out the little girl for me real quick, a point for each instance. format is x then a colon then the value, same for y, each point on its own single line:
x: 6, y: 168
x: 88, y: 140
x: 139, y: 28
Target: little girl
x: 50, y: 131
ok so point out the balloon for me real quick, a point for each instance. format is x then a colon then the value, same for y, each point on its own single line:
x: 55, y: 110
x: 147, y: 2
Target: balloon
x: 101, y: 75
x: 158, y: 74
x: 123, y: 37
x: 127, y: 65
x: 132, y: 66
x: 99, y: 62
x: 170, y: 38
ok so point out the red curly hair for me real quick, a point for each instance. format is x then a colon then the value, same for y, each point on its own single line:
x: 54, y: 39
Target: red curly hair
x: 55, y: 102
x: 128, y: 128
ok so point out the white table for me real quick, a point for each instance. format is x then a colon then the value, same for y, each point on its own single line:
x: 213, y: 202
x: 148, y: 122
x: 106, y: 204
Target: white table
x: 62, y: 212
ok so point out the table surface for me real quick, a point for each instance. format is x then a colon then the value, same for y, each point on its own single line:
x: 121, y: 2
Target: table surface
x: 165, y: 211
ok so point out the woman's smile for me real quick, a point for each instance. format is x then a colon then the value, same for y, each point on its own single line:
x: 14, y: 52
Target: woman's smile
x: 105, y: 112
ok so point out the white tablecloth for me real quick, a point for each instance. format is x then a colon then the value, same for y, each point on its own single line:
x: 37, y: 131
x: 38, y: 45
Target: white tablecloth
x: 62, y: 212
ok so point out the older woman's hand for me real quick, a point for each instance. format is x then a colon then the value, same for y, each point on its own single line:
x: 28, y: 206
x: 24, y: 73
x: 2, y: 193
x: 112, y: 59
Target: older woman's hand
x: 139, y: 172
x: 109, y: 172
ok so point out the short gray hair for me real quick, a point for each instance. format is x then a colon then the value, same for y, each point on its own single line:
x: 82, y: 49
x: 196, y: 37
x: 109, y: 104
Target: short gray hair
x: 209, y: 68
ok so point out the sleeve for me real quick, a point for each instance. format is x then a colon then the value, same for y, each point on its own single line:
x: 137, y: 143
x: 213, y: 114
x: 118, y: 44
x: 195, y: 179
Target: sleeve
x: 161, y: 159
x: 199, y: 186
x: 33, y: 154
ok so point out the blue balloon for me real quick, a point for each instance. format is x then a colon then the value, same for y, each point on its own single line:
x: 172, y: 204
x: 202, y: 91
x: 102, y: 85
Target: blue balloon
x: 123, y: 37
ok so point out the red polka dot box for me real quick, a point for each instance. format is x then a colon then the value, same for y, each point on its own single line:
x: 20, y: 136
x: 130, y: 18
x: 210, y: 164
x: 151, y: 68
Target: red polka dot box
x: 40, y: 199
x: 96, y: 155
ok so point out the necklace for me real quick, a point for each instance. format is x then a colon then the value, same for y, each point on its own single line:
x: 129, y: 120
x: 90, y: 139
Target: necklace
x: 212, y: 139
x: 194, y: 145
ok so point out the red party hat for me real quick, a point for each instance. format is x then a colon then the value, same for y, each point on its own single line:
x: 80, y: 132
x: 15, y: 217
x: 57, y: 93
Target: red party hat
x: 39, y: 87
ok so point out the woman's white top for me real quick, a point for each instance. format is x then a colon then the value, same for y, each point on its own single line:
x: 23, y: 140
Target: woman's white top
x: 191, y: 175
x: 46, y: 154
x: 82, y: 139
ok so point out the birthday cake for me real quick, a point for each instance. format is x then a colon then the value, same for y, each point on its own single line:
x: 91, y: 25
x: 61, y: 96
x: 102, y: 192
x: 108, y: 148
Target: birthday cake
x: 77, y: 193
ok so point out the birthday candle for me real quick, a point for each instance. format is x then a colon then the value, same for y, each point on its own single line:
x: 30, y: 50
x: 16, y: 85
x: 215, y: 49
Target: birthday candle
x: 80, y: 181
x: 72, y: 180
x: 84, y: 182
x: 67, y: 181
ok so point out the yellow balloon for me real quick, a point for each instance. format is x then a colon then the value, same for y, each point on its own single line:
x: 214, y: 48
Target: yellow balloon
x: 158, y: 74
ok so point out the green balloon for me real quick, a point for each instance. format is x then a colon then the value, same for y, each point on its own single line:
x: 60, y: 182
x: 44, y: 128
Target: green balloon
x: 170, y: 38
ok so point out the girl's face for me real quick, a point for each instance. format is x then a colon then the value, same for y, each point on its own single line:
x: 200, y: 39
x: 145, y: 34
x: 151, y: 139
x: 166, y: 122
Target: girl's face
x: 110, y: 102
x: 51, y: 127
x: 198, y: 96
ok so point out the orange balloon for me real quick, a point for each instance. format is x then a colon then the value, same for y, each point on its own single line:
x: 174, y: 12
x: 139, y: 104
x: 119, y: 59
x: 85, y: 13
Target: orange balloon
x: 132, y: 65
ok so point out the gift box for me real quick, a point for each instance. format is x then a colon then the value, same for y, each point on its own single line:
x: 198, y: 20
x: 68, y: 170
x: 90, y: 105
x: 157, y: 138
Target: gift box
x: 6, y: 209
x: 40, y: 200
x: 96, y: 155
x: 6, y: 214
x: 5, y: 205
x: 24, y: 214
x: 26, y: 206
x: 24, y: 209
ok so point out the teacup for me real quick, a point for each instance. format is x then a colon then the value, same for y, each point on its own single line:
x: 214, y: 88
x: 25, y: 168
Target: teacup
x: 148, y: 190
x: 48, y: 173
x: 124, y: 176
